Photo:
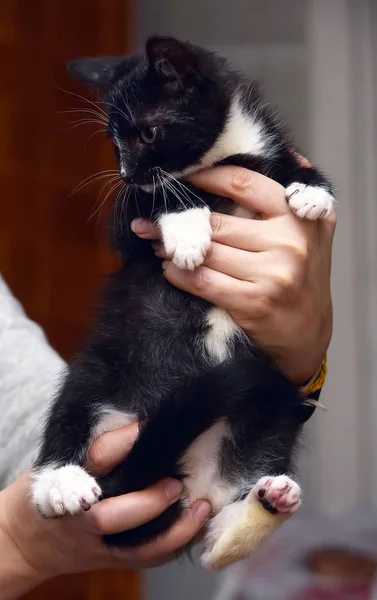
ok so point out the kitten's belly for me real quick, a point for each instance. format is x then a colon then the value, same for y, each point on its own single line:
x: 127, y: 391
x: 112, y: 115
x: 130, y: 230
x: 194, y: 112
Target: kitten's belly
x: 201, y: 464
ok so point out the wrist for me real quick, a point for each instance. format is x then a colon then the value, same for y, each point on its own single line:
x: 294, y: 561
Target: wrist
x: 17, y: 576
x: 300, y: 374
x: 306, y: 362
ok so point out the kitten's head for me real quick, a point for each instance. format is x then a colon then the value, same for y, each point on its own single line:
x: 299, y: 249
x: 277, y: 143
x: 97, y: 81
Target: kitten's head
x: 165, y: 107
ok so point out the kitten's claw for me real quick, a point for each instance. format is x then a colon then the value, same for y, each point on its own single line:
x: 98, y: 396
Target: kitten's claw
x: 278, y: 494
x: 309, y: 201
x: 64, y: 490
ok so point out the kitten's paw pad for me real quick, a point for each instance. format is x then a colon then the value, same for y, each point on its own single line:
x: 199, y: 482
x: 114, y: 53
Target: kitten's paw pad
x: 187, y: 236
x: 281, y: 494
x: 309, y: 201
x: 64, y: 490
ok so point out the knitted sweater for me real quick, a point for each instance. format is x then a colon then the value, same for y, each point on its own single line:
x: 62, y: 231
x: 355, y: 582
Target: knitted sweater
x: 29, y: 373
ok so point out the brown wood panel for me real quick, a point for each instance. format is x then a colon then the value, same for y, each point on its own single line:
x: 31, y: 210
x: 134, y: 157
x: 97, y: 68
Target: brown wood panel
x: 52, y: 255
x: 102, y: 585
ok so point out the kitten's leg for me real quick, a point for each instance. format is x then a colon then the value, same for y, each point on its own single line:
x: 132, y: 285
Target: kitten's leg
x: 261, y: 456
x: 58, y: 491
x: 240, y: 527
x: 60, y: 483
x: 186, y: 236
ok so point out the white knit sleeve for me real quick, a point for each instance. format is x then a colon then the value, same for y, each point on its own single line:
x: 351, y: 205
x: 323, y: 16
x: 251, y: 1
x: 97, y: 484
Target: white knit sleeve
x: 30, y: 371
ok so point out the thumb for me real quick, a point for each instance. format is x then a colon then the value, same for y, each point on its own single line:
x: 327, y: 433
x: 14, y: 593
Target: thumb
x: 111, y: 448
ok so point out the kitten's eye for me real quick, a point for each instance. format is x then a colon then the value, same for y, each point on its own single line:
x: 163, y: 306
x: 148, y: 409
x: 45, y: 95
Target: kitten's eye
x: 149, y: 134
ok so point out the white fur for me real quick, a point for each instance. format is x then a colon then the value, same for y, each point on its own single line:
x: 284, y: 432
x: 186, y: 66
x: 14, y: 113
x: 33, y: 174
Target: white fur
x: 241, y: 135
x: 309, y: 201
x: 220, y: 335
x: 281, y: 492
x: 110, y: 419
x: 63, y: 490
x: 240, y: 527
x: 201, y: 463
x: 187, y: 236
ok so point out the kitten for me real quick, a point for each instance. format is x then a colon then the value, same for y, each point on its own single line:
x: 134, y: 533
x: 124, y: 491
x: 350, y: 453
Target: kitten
x: 214, y: 411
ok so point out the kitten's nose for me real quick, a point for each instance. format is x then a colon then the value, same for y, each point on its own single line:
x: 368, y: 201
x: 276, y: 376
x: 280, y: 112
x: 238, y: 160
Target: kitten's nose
x: 124, y: 175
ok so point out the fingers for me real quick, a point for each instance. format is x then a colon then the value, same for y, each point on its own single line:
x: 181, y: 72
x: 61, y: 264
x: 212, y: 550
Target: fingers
x: 122, y: 513
x: 145, y: 229
x: 303, y: 162
x: 236, y: 263
x: 252, y: 190
x: 110, y: 449
x: 179, y: 535
x: 219, y: 289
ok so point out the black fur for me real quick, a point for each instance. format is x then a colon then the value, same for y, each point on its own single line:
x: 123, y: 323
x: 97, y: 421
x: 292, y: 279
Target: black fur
x: 146, y: 354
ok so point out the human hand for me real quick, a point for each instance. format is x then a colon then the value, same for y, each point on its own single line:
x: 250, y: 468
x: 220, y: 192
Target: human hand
x: 34, y: 549
x: 271, y: 274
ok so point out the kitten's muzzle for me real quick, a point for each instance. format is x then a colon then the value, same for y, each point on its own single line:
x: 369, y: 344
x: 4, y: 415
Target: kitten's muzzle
x: 126, y: 178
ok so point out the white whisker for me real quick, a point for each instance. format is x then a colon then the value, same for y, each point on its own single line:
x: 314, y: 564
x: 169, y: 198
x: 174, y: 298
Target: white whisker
x: 154, y: 196
x: 83, y: 99
x: 92, y: 179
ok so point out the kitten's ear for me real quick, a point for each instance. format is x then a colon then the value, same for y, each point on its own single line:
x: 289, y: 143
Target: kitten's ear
x: 171, y: 59
x: 99, y: 72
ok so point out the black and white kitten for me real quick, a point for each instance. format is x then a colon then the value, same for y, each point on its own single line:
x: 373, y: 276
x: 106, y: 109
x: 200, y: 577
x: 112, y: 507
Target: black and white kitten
x: 214, y: 411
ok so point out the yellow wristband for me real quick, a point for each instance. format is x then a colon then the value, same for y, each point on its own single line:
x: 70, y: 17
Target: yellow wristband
x: 315, y: 384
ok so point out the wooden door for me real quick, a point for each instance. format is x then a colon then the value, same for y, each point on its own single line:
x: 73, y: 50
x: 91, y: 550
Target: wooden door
x: 51, y: 254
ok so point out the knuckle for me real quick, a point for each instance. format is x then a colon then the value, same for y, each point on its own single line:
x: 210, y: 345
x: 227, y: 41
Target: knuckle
x: 96, y: 456
x: 217, y: 223
x: 263, y: 307
x: 211, y: 252
x: 241, y: 179
x: 201, y: 279
x: 332, y: 219
x: 99, y: 521
x: 299, y: 250
x: 283, y: 282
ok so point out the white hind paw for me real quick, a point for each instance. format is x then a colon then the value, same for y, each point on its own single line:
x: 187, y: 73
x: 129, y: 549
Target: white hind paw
x: 309, y: 201
x: 278, y: 494
x: 64, y: 490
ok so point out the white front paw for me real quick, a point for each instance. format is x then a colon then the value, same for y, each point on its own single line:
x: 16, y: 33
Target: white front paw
x: 64, y: 490
x: 187, y: 236
x: 309, y: 201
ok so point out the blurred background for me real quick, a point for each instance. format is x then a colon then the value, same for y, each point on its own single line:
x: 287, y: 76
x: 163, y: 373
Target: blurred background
x: 317, y: 60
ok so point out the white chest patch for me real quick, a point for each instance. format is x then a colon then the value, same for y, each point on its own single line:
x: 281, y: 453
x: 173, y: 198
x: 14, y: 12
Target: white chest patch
x: 222, y: 330
x: 242, y: 135
x: 110, y: 419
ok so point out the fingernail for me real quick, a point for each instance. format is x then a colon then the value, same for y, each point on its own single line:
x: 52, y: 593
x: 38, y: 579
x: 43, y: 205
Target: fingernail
x: 201, y: 509
x: 173, y: 489
x: 140, y: 226
x: 165, y: 265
